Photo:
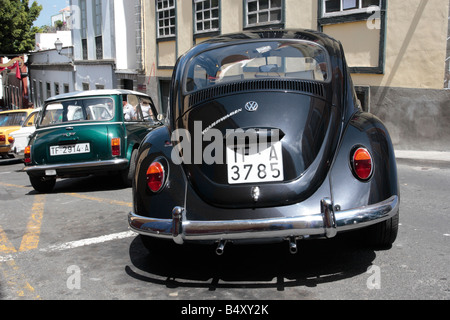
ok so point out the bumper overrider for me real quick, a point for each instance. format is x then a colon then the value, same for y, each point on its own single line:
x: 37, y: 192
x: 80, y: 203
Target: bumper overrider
x: 326, y: 224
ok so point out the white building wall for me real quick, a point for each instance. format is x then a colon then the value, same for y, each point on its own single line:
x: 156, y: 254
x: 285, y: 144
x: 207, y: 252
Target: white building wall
x: 46, y: 41
x: 125, y: 30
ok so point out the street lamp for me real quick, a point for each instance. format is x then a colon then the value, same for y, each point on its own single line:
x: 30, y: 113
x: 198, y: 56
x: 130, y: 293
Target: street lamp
x: 58, y: 45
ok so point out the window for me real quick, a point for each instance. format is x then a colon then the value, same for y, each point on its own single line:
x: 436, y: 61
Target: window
x: 301, y: 60
x: 98, y: 29
x: 95, y: 109
x: 84, y: 29
x: 344, y: 7
x: 49, y: 90
x: 99, y: 47
x: 148, y: 109
x: 13, y: 119
x: 56, y: 89
x: 41, y: 93
x: 131, y: 108
x: 369, y: 17
x: 66, y: 88
x: 165, y: 10
x: 206, y: 16
x: 35, y: 93
x: 86, y: 86
x: 261, y: 12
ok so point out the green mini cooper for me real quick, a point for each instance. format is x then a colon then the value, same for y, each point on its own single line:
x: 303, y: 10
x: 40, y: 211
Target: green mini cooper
x: 91, y: 132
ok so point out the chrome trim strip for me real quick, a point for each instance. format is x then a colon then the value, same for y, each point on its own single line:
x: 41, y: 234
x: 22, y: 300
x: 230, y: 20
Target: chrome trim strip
x: 81, y: 165
x: 328, y: 223
x: 75, y: 125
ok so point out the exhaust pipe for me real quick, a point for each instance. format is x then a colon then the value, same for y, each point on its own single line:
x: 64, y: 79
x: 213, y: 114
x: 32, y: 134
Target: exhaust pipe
x: 221, y: 248
x: 293, y: 245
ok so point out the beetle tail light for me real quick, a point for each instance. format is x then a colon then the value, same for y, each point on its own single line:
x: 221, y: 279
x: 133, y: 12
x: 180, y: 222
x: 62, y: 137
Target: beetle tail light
x: 156, y: 177
x: 115, y: 147
x: 362, y: 164
x: 2, y: 138
x: 11, y: 139
x: 27, y: 155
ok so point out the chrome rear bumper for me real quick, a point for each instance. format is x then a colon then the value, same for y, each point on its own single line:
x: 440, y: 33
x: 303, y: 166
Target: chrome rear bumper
x: 326, y: 224
x: 108, y: 164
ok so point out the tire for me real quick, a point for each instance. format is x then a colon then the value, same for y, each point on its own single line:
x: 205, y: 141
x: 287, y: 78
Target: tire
x: 128, y: 174
x: 384, y: 234
x: 42, y: 185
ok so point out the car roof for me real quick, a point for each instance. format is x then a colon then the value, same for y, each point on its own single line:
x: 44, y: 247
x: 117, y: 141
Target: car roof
x: 92, y: 93
x: 17, y: 111
x: 273, y: 34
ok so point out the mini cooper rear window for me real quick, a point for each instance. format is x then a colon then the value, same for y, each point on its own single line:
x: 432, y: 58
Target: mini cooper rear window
x: 302, y: 60
x: 80, y: 110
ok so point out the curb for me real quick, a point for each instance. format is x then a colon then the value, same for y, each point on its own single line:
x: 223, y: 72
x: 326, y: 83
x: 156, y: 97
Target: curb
x: 423, y: 156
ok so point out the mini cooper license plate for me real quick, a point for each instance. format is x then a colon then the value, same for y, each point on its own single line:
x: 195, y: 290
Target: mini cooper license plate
x: 70, y: 149
x: 260, y: 167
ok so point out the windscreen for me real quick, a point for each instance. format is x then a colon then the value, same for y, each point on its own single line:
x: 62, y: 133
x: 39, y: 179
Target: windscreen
x: 80, y: 110
x: 12, y: 119
x: 301, y: 60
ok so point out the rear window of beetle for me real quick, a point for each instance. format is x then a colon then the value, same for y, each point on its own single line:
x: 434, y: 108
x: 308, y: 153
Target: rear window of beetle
x: 78, y: 110
x: 302, y: 60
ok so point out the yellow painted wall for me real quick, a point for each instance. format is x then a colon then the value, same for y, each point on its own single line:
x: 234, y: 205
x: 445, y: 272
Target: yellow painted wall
x: 361, y: 44
x: 415, y: 45
x: 415, y: 39
x: 232, y: 16
x: 301, y: 14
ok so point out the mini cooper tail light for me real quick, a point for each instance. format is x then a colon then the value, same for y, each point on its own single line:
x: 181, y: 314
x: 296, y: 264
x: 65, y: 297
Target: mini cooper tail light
x: 362, y: 164
x: 115, y: 147
x: 27, y: 155
x: 156, y: 176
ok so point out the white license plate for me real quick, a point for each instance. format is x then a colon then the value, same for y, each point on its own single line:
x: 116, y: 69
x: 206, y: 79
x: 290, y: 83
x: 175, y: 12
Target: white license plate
x: 260, y: 167
x: 70, y: 149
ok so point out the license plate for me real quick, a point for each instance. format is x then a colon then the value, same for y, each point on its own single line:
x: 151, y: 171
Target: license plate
x: 70, y: 149
x: 260, y: 167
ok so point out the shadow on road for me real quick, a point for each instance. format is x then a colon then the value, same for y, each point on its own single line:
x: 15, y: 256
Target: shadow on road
x: 252, y: 266
x: 93, y: 183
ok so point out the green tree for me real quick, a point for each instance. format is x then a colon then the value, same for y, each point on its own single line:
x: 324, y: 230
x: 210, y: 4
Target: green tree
x: 17, y: 33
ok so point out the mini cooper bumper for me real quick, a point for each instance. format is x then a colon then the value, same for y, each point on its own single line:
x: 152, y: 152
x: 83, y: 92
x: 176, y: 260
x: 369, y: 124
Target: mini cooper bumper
x: 76, y: 168
x: 326, y: 224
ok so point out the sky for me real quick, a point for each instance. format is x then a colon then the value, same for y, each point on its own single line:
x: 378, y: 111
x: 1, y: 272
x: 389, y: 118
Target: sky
x: 50, y: 8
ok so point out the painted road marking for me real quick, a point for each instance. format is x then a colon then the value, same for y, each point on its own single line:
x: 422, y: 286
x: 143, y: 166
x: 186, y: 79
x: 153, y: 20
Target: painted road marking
x: 11, y: 272
x: 73, y: 244
x: 30, y: 241
x: 6, y: 246
x: 102, y: 200
x: 89, y: 242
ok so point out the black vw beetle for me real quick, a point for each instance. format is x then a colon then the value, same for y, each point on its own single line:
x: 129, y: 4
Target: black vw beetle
x: 265, y: 141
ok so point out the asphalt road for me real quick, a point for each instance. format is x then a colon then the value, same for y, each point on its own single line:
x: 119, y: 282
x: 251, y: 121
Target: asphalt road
x: 75, y: 244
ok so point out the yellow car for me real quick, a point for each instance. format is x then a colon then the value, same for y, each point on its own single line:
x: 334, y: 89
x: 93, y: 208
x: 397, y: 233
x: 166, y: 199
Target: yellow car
x: 10, y: 121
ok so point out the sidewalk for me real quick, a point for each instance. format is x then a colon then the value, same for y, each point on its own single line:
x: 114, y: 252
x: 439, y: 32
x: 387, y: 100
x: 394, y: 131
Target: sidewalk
x: 434, y: 156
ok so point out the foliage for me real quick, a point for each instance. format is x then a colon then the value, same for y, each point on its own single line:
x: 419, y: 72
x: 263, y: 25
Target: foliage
x: 17, y: 33
x: 59, y: 24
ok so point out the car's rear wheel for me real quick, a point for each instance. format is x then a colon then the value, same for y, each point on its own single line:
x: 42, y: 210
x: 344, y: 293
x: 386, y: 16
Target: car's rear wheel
x: 127, y: 175
x: 384, y: 234
x: 43, y: 185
